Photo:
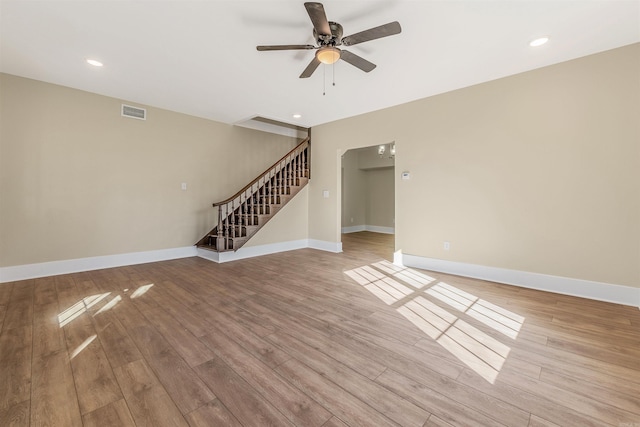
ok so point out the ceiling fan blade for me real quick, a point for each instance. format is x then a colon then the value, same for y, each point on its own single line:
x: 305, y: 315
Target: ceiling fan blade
x: 357, y: 61
x: 373, y: 33
x: 310, y: 68
x: 318, y: 18
x: 286, y: 47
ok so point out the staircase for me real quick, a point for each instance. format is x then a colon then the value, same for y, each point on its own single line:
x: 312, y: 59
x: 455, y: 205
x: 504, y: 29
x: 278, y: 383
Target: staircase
x: 243, y: 214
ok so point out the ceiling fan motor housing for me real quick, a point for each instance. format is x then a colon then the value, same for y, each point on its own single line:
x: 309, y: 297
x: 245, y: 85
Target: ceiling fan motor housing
x: 335, y: 39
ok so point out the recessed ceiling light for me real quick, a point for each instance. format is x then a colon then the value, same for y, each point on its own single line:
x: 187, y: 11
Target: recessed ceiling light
x: 539, y: 41
x: 94, y: 62
x: 297, y: 116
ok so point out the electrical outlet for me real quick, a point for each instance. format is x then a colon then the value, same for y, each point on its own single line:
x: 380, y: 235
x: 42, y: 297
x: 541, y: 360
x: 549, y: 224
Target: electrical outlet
x: 184, y: 185
x: 351, y: 220
x: 447, y: 246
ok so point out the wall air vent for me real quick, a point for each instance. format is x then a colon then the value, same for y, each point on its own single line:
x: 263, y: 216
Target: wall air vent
x: 134, y: 112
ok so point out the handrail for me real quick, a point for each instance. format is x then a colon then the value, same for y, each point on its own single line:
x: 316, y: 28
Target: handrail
x: 246, y: 187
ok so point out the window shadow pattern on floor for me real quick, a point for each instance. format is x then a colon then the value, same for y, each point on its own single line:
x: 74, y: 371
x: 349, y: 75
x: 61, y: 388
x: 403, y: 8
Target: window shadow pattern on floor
x: 421, y: 299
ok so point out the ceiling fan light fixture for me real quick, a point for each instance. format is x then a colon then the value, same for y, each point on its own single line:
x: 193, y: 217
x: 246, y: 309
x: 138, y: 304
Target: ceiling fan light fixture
x: 328, y: 55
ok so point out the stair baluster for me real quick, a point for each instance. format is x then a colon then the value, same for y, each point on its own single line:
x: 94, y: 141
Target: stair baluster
x: 240, y: 216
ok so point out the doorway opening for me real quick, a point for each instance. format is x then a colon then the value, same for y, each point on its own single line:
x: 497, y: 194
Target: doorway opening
x: 368, y: 199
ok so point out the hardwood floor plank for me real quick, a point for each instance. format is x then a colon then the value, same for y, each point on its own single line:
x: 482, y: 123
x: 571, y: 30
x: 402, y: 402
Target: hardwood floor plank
x: 252, y: 343
x: 67, y: 292
x: 341, y: 403
x: 356, y: 359
x: 148, y: 340
x: 16, y: 415
x: 601, y: 384
x: 248, y: 406
x: 400, y: 355
x: 212, y: 414
x: 54, y: 398
x: 149, y: 403
x: 48, y: 337
x: 116, y: 342
x: 542, y: 405
x: 397, y: 409
x: 189, y: 318
x: 465, y: 395
x: 334, y: 422
x: 95, y: 383
x: 3, y: 312
x: 114, y: 414
x: 237, y: 315
x: 298, y: 408
x: 15, y: 360
x: 607, y: 395
x: 186, y: 389
x: 541, y: 422
x: 572, y: 363
x: 630, y: 360
x: 183, y: 341
x: 434, y: 421
x: 19, y: 311
x: 580, y: 403
x: 5, y: 292
x: 44, y: 291
x: 182, y: 384
x: 438, y: 404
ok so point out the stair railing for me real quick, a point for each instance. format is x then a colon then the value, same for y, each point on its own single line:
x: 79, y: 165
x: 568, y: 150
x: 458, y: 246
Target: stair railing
x: 243, y: 208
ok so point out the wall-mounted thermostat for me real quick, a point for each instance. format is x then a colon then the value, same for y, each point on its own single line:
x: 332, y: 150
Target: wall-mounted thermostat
x: 405, y: 176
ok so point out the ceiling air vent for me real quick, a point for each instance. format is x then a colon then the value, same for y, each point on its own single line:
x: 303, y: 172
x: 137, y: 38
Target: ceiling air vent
x: 134, y: 112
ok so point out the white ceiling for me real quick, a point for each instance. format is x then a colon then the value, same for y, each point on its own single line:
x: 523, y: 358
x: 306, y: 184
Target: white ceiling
x: 199, y: 57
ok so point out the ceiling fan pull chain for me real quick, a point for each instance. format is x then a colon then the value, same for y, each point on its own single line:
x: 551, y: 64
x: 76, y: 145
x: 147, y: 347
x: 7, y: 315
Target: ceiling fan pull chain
x: 324, y: 81
x: 333, y: 68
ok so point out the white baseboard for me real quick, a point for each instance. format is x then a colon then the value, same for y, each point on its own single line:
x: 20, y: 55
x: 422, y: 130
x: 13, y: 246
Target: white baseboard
x: 353, y: 229
x: 54, y: 268
x: 252, y: 251
x: 372, y: 228
x: 272, y: 248
x: 608, y: 292
x: 323, y: 245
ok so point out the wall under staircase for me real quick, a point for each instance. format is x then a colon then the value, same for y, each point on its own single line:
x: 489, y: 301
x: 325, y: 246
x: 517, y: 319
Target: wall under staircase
x: 243, y: 214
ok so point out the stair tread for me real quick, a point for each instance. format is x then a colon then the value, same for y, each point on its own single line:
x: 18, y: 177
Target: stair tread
x: 272, y: 196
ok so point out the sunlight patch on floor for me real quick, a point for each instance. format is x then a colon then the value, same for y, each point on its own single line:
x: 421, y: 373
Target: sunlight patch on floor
x: 141, y: 291
x: 496, y: 317
x: 407, y: 290
x: 108, y: 306
x: 82, y: 346
x: 76, y: 310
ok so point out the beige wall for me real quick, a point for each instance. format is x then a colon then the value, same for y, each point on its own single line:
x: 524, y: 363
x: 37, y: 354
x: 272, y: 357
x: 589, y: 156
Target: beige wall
x: 536, y: 172
x: 289, y: 224
x: 78, y: 180
x: 380, y: 195
x: 354, y: 202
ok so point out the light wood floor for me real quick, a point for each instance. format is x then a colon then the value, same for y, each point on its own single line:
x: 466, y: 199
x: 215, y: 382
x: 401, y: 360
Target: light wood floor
x: 310, y: 338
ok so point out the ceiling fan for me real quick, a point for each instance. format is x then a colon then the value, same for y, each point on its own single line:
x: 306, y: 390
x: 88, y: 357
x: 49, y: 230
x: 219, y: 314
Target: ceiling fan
x: 328, y: 35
